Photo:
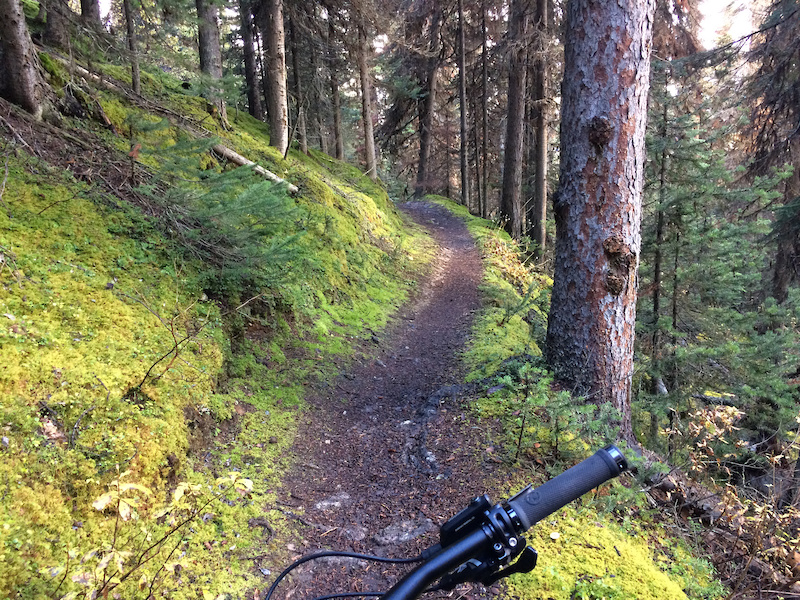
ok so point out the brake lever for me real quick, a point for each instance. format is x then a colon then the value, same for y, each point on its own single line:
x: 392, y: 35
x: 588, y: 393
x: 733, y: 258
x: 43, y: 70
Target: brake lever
x: 525, y: 564
x: 483, y: 572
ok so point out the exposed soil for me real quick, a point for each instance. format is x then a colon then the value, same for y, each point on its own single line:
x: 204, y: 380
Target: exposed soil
x: 388, y: 452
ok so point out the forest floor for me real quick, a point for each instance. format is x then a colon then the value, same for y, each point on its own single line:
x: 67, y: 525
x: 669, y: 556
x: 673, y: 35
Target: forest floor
x: 388, y: 452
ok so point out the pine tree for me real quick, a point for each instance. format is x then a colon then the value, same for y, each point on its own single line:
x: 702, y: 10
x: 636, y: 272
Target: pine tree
x: 591, y: 323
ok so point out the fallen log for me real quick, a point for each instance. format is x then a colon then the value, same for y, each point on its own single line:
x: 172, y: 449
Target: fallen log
x: 240, y: 160
x: 223, y: 151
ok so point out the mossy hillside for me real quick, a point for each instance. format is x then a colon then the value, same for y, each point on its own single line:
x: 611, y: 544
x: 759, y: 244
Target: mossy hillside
x: 355, y: 235
x: 96, y: 293
x: 585, y: 551
x: 86, y: 312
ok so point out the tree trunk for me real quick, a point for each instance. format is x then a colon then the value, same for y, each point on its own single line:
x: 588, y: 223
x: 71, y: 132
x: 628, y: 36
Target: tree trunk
x: 428, y: 107
x: 787, y: 259
x: 90, y: 12
x: 537, y: 221
x: 210, y: 52
x: 485, y: 113
x: 660, y: 222
x: 476, y: 154
x: 462, y: 100
x: 254, y: 105
x: 333, y: 66
x: 316, y: 88
x: 130, y: 26
x: 262, y: 69
x: 598, y: 211
x: 511, y: 199
x: 56, y: 30
x: 300, y: 119
x: 366, y: 103
x: 23, y: 84
x: 277, y: 102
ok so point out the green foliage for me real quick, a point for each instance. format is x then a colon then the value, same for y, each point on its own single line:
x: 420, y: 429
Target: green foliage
x: 716, y: 335
x: 543, y: 421
x: 233, y: 221
x: 144, y: 549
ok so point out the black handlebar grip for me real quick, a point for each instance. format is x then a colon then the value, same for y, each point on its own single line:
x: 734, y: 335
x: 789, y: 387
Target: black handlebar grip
x: 531, y: 506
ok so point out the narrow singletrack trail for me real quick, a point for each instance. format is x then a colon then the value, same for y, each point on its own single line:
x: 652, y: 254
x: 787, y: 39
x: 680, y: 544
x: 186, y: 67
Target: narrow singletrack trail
x: 387, y: 453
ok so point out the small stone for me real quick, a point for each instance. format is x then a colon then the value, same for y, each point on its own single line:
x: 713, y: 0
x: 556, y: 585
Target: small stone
x: 273, y: 440
x: 5, y: 441
x: 265, y: 572
x: 110, y: 285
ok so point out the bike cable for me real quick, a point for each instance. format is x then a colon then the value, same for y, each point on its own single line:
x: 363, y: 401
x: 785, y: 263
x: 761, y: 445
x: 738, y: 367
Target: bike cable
x: 335, y: 553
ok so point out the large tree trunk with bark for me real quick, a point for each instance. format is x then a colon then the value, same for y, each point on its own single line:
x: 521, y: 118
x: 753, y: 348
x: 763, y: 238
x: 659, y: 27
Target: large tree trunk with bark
x: 366, y: 103
x: 598, y: 210
x: 427, y: 106
x: 254, y: 105
x: 511, y: 199
x: 21, y: 83
x: 210, y: 51
x: 277, y: 102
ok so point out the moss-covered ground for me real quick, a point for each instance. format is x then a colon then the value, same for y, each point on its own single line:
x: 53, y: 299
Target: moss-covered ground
x: 128, y: 396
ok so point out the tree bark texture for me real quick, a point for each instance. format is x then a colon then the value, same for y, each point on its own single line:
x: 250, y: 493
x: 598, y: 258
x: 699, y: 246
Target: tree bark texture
x: 598, y: 210
x: 319, y: 103
x: 786, y: 267
x: 462, y: 101
x: 484, y: 113
x: 23, y: 84
x: 277, y: 102
x: 427, y: 106
x: 210, y: 51
x: 254, y: 105
x: 130, y: 26
x: 366, y: 104
x: 511, y: 199
x: 56, y: 29
x: 90, y: 12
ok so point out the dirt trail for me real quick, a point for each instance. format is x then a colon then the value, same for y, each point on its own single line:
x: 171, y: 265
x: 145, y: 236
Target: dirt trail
x: 387, y: 453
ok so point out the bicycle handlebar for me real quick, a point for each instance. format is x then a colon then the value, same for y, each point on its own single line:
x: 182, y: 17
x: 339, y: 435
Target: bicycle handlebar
x: 496, y: 539
x: 533, y: 505
x: 479, y: 543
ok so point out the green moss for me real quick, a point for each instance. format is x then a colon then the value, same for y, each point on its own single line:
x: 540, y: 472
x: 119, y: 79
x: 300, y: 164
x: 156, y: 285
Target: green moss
x: 93, y: 297
x: 585, y: 556
x: 58, y: 75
